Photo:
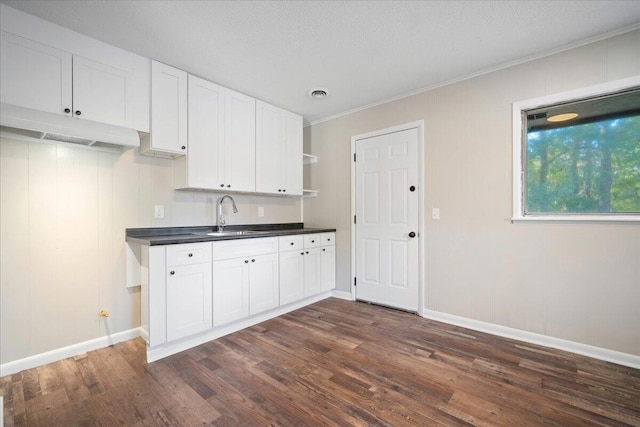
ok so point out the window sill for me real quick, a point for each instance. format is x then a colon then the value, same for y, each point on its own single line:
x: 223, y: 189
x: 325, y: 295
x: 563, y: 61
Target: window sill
x: 580, y: 219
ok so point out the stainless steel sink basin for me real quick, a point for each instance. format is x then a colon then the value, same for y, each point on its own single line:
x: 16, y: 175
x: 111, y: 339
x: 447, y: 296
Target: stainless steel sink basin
x: 230, y: 233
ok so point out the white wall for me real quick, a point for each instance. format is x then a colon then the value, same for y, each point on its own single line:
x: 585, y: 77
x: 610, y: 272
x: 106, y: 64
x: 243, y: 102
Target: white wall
x: 579, y: 282
x: 63, y: 214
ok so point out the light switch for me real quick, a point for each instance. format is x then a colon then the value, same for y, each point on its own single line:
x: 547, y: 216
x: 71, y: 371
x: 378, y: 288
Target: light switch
x: 158, y: 211
x: 260, y: 211
x: 435, y: 213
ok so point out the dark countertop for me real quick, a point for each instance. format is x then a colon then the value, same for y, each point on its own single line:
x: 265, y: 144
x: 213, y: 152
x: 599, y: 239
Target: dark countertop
x: 178, y: 235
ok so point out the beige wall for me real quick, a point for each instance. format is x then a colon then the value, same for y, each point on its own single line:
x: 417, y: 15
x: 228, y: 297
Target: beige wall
x: 63, y: 214
x: 579, y: 282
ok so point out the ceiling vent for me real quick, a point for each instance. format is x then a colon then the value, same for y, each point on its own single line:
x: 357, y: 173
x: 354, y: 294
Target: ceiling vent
x: 318, y: 93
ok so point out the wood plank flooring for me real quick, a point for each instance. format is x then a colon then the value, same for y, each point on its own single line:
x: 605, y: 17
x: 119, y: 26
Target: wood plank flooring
x: 332, y: 363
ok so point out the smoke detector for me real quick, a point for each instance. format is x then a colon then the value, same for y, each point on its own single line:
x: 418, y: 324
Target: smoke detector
x: 318, y: 93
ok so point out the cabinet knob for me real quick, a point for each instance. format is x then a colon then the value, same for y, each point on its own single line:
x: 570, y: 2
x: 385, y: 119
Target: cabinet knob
x: 412, y: 234
x: 221, y: 185
x: 323, y: 249
x: 284, y: 190
x: 190, y: 255
x: 313, y: 241
x: 228, y: 185
x: 172, y: 273
x: 253, y: 260
x: 306, y: 252
x: 291, y: 243
x: 78, y: 112
x: 279, y: 190
x: 67, y: 110
x: 301, y: 253
x: 183, y: 147
x: 246, y: 261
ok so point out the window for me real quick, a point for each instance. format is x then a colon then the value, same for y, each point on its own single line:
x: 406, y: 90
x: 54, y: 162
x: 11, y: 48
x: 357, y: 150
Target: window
x: 578, y: 155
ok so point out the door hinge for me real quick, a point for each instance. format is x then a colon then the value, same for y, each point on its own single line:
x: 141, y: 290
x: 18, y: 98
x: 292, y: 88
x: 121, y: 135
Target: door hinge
x: 355, y: 281
x: 354, y: 219
x: 354, y: 157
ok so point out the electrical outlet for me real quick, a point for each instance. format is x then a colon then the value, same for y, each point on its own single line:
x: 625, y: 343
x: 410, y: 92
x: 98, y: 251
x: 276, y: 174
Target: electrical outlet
x: 158, y: 211
x: 260, y: 211
x: 435, y: 213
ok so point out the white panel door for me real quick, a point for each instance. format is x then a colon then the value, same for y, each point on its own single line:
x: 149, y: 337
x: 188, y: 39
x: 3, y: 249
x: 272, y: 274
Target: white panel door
x: 263, y: 283
x: 230, y: 290
x: 35, y: 76
x: 102, y: 93
x: 205, y: 162
x: 328, y: 268
x: 311, y: 271
x: 291, y: 276
x: 168, y: 108
x: 188, y: 300
x: 387, y: 220
x: 270, y: 149
x: 240, y: 142
x: 293, y: 154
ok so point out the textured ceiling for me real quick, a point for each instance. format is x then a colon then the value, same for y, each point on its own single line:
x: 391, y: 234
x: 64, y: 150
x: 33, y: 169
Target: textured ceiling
x: 365, y: 52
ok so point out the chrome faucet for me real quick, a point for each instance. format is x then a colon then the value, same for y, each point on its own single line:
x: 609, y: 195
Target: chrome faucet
x: 221, y: 222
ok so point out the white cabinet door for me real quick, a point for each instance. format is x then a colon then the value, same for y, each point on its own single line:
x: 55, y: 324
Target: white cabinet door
x: 188, y: 300
x: 205, y: 162
x: 102, y: 93
x: 328, y: 268
x: 240, y: 142
x: 269, y: 149
x: 230, y: 290
x: 263, y: 283
x: 168, y: 109
x: 292, y: 156
x: 278, y: 150
x: 311, y: 271
x: 34, y: 75
x: 291, y: 276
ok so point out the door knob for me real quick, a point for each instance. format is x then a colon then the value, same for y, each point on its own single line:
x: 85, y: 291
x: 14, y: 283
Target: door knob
x: 412, y: 234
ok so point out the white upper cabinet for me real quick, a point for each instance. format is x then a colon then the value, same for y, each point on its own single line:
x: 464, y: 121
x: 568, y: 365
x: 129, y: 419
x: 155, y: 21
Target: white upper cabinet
x: 44, y: 78
x: 203, y: 168
x: 278, y: 150
x: 34, y: 75
x: 52, y: 69
x: 102, y: 93
x: 168, y: 112
x: 221, y: 155
x: 240, y: 142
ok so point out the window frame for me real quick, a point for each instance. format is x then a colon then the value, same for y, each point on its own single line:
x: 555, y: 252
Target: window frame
x: 519, y: 155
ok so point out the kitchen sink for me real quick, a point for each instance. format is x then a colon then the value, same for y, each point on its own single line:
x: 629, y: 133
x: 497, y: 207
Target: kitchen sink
x: 230, y: 233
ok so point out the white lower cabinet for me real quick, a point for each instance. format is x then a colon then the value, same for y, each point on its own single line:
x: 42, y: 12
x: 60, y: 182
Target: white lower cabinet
x: 230, y: 290
x: 189, y: 290
x: 188, y: 300
x: 245, y: 278
x: 306, y: 266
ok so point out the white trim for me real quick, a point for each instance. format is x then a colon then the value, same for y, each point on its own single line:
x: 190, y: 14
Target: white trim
x: 516, y: 117
x: 509, y: 64
x: 64, y: 352
x: 343, y: 295
x: 421, y: 220
x: 167, y: 349
x: 612, y: 356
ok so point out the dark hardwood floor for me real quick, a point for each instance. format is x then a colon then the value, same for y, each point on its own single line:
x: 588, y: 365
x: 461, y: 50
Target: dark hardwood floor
x: 332, y: 363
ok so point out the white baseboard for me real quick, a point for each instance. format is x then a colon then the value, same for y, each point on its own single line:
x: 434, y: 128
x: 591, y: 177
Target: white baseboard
x: 64, y: 352
x: 343, y: 295
x: 613, y: 356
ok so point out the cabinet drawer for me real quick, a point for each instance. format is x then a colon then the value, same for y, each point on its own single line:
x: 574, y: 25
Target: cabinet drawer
x: 194, y: 253
x: 327, y: 239
x: 311, y: 240
x: 229, y: 249
x: 290, y: 243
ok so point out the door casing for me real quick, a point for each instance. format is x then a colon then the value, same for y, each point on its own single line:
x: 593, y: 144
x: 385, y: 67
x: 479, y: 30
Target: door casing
x: 421, y: 227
